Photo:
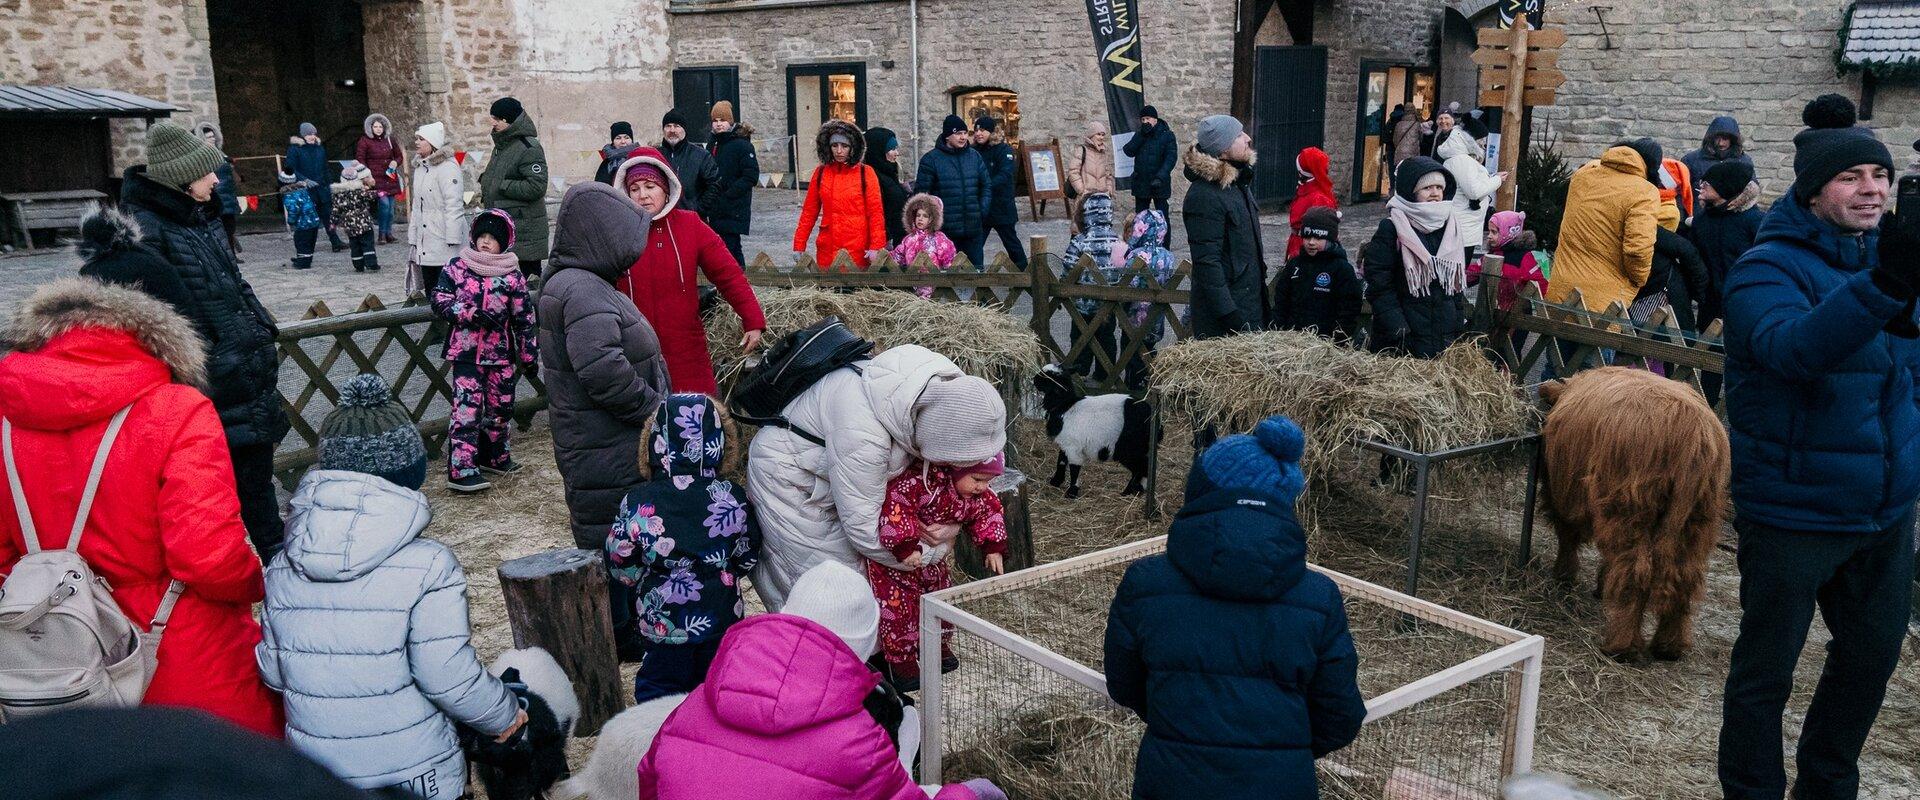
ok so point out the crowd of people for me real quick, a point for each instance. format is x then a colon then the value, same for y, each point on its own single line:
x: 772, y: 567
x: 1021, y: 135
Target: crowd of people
x: 159, y: 359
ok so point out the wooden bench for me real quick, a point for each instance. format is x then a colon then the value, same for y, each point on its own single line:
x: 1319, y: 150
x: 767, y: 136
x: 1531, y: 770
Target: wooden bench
x: 30, y: 211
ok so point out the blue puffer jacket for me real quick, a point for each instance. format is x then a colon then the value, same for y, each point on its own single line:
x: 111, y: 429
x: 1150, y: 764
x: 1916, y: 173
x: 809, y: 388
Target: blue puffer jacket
x: 1236, y: 655
x: 1819, y: 396
x: 959, y: 178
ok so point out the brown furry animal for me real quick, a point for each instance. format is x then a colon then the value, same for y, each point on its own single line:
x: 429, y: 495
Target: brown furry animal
x: 1638, y: 465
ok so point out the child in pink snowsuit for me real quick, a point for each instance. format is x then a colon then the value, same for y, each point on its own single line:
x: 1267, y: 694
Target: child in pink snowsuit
x: 924, y: 512
x: 922, y: 215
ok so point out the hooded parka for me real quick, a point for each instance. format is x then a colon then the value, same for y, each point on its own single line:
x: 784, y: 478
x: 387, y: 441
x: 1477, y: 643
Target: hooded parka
x: 664, y: 284
x: 1229, y: 260
x: 599, y: 358
x: 515, y: 181
x: 1607, y: 232
x: 437, y: 216
x: 379, y: 153
x: 1314, y: 191
x: 166, y: 510
x: 1707, y: 155
x: 1473, y: 184
x: 367, y: 639
x: 845, y: 199
x: 1420, y: 326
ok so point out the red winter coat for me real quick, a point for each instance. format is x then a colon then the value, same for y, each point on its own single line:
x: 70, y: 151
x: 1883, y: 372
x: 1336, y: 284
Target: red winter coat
x: 847, y: 202
x: 380, y: 153
x: 166, y: 507
x: 1315, y: 192
x: 665, y: 285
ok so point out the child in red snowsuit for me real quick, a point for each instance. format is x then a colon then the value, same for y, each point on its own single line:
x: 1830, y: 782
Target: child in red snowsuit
x: 925, y: 510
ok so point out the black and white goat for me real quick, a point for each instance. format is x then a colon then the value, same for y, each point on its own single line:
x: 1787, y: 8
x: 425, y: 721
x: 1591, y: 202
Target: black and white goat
x: 1101, y: 427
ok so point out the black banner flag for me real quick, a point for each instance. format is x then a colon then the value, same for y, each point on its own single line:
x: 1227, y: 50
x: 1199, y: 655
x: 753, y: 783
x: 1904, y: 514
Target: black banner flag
x: 1116, y: 37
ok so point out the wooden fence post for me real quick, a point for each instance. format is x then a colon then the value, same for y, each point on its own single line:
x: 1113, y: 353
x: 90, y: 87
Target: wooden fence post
x: 557, y: 600
x: 1019, y: 555
x: 1040, y: 283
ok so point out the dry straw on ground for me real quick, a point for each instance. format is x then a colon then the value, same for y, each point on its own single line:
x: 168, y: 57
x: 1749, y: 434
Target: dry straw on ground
x: 981, y: 340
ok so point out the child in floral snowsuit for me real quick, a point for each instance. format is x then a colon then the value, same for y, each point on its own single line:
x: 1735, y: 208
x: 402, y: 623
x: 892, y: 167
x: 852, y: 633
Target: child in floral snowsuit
x: 483, y: 296
x: 1148, y: 230
x: 925, y: 509
x: 922, y: 215
x: 1096, y: 240
x: 353, y: 203
x: 682, y: 542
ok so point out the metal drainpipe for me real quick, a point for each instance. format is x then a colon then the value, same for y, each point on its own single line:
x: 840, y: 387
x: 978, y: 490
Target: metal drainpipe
x: 913, y: 52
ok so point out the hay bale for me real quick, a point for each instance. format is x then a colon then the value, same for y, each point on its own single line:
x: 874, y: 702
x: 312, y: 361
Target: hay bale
x: 982, y: 341
x: 1341, y: 396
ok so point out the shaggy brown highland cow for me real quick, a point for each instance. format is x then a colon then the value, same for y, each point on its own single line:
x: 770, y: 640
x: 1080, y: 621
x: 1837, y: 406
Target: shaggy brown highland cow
x: 1638, y: 465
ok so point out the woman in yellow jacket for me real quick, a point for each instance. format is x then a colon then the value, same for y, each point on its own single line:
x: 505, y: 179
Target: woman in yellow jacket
x: 1607, y: 232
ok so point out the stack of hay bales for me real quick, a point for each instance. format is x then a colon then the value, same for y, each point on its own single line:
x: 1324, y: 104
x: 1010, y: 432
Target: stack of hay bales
x: 982, y: 341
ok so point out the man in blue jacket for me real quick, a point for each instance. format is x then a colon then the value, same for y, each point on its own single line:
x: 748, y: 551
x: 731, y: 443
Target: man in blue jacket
x: 954, y: 172
x: 1821, y: 364
x: 307, y: 159
x: 1234, y: 653
x: 1154, y: 152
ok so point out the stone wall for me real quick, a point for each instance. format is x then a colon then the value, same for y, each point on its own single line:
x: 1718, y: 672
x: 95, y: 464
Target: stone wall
x: 152, y: 49
x: 1673, y: 67
x: 1366, y: 30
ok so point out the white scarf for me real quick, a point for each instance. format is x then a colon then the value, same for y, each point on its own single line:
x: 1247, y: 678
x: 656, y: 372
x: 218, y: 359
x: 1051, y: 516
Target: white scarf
x: 1448, y: 266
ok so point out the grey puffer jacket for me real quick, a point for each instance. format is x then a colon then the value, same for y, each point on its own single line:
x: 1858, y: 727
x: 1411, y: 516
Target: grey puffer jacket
x: 366, y: 636
x: 600, y: 358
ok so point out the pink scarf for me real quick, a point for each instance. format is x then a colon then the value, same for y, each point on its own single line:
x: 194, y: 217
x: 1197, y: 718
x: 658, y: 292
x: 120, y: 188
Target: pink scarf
x: 489, y: 265
x: 1448, y: 266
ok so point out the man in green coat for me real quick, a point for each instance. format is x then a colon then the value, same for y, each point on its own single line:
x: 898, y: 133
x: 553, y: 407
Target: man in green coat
x: 515, y: 181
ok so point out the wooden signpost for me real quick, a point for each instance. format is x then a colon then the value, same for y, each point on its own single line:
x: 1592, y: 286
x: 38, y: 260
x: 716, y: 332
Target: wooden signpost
x: 1518, y: 68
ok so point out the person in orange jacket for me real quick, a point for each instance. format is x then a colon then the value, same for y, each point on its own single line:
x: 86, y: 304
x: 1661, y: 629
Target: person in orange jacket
x: 843, y: 194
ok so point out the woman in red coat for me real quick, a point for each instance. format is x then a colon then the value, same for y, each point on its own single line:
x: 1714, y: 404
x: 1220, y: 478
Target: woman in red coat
x: 664, y: 283
x: 1316, y: 189
x: 844, y: 195
x: 166, y: 508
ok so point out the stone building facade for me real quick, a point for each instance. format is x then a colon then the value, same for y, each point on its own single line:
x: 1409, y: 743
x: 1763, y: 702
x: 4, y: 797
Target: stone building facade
x: 1666, y: 69
x: 1039, y: 50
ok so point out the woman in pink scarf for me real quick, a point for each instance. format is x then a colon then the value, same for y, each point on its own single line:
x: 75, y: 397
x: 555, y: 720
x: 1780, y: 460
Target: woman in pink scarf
x: 1415, y: 265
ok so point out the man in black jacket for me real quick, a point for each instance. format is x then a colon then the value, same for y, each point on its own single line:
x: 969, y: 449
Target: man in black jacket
x: 954, y: 172
x: 1223, y: 232
x: 168, y: 198
x: 730, y: 210
x: 699, y: 174
x: 1003, y: 216
x: 1154, y: 152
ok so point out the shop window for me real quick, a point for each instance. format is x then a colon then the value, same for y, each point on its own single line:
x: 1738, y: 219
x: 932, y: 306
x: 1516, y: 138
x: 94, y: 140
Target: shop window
x: 1003, y: 105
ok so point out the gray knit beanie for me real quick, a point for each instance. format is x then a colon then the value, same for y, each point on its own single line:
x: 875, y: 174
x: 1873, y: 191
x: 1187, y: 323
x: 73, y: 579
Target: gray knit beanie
x: 1217, y: 133
x: 959, y: 421
x: 307, y: 129
x: 371, y: 433
x: 176, y: 157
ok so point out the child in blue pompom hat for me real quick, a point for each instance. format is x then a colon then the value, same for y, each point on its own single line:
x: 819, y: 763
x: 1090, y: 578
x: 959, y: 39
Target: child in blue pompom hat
x: 1234, y: 653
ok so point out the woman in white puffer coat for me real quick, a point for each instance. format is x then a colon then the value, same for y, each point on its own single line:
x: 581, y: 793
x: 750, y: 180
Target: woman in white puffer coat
x: 822, y: 503
x: 1462, y: 155
x: 437, y: 216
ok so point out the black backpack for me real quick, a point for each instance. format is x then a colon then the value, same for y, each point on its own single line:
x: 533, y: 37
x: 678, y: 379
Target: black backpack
x: 797, y: 361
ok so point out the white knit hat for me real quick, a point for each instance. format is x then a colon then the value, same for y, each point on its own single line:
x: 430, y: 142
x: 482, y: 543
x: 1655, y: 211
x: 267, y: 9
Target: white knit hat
x: 434, y: 132
x: 841, y: 600
x: 959, y: 421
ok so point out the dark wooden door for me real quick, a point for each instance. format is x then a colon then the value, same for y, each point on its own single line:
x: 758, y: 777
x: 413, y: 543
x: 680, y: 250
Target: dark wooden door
x: 54, y: 155
x: 1289, y: 113
x: 695, y: 90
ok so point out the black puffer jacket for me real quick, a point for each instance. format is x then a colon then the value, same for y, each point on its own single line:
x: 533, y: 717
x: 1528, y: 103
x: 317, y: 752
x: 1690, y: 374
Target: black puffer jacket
x: 732, y: 209
x: 699, y: 174
x: 600, y: 358
x: 1229, y: 260
x: 1421, y: 327
x: 959, y: 178
x: 243, y: 362
x: 893, y: 193
x: 1154, y: 152
x: 1678, y: 271
x: 1001, y: 166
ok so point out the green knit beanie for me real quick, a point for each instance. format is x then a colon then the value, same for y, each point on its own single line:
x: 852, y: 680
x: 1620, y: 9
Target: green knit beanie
x: 176, y: 157
x: 371, y: 433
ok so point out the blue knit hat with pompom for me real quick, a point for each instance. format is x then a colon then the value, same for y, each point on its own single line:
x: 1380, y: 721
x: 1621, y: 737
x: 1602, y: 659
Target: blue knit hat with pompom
x: 370, y: 432
x: 1267, y: 460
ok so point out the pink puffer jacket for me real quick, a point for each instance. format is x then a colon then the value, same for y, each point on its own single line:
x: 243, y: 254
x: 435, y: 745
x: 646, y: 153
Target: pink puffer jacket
x: 780, y: 715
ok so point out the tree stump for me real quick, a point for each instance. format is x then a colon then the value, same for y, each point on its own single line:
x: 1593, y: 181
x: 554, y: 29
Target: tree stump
x: 557, y: 600
x: 1012, y: 489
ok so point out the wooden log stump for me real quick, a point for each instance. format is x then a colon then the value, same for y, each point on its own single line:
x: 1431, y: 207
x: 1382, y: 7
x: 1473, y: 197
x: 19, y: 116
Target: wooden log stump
x: 1012, y: 489
x: 557, y: 600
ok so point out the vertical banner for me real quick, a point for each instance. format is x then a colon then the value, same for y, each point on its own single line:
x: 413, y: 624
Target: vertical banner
x: 1534, y: 10
x: 1116, y: 37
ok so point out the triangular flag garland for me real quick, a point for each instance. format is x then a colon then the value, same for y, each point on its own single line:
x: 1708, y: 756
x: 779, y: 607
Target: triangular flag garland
x: 460, y: 157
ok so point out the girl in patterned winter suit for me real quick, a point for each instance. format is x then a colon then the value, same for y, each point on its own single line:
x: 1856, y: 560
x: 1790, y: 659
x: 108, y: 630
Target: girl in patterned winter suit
x: 483, y: 297
x: 682, y: 542
x: 926, y: 509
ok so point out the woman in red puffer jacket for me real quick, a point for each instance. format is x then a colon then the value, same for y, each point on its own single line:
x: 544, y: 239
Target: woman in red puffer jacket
x: 665, y: 282
x: 843, y: 194
x: 166, y: 508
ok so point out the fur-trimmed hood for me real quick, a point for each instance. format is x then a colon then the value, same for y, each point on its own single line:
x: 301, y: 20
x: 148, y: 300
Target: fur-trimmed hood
x: 648, y: 155
x: 842, y: 127
x: 1217, y: 171
x: 931, y: 203
x: 104, y: 231
x: 72, y: 303
x: 366, y: 127
x: 219, y: 139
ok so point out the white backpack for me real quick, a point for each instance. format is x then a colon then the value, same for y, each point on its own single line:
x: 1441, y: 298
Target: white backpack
x: 64, y: 643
